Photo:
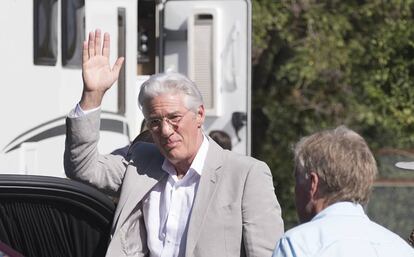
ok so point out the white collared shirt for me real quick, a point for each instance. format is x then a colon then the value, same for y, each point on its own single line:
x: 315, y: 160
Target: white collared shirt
x: 168, y: 206
x: 79, y: 112
x: 342, y: 229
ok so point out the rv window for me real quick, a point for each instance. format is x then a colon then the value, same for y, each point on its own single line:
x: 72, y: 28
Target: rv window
x: 146, y: 37
x: 73, y: 32
x: 45, y: 32
x: 121, y: 52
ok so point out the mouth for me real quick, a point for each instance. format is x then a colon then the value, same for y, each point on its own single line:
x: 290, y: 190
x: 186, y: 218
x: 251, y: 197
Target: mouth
x: 170, y: 144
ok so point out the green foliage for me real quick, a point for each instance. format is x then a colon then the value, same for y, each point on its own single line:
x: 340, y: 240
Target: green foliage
x: 319, y: 64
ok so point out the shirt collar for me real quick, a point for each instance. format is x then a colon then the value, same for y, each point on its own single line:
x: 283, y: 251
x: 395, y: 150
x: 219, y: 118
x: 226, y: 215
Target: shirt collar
x: 197, y: 164
x: 341, y: 209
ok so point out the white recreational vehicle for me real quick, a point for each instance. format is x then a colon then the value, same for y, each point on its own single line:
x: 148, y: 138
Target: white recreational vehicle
x: 40, y: 46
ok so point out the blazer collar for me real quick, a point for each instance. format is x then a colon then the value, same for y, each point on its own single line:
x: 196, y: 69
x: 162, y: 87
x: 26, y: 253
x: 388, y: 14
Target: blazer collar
x: 146, y: 179
x: 205, y: 193
x: 153, y: 173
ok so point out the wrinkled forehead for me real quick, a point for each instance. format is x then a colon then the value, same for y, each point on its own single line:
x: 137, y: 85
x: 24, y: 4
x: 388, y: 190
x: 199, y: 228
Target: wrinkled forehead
x: 166, y: 103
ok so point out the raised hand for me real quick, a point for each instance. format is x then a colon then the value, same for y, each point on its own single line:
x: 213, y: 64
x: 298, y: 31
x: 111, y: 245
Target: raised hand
x: 98, y: 76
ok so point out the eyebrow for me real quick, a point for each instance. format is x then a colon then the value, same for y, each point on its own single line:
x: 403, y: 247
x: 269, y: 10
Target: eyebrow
x: 168, y: 114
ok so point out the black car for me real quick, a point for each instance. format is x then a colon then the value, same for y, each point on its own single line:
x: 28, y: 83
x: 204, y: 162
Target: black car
x: 44, y: 216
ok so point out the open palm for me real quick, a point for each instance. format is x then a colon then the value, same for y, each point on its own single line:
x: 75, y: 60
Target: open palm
x: 98, y: 76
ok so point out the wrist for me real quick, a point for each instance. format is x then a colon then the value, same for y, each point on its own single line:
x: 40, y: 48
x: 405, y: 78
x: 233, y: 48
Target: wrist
x: 91, y: 100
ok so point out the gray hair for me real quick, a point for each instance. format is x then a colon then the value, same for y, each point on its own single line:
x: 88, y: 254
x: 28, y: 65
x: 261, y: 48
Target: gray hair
x: 170, y: 83
x: 343, y: 162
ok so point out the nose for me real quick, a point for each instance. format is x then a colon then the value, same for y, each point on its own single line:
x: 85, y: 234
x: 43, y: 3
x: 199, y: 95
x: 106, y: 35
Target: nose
x: 166, y: 128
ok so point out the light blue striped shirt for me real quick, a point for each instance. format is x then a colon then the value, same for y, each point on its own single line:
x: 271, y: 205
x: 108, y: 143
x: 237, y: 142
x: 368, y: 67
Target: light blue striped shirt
x: 342, y: 230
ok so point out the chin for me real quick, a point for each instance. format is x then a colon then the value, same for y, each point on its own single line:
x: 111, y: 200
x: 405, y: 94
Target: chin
x: 173, y: 154
x: 304, y: 219
x: 306, y: 215
x: 303, y: 214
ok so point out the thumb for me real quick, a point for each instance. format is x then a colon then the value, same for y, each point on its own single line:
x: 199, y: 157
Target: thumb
x: 118, y: 65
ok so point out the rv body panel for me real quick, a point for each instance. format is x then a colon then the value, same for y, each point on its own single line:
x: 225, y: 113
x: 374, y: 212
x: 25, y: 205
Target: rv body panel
x: 210, y: 42
x: 36, y: 98
x: 41, y: 75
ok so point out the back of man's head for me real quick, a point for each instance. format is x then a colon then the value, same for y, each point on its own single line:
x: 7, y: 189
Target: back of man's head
x: 343, y: 162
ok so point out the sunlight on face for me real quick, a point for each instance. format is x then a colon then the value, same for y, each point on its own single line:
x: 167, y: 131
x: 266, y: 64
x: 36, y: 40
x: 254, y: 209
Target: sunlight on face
x: 176, y: 129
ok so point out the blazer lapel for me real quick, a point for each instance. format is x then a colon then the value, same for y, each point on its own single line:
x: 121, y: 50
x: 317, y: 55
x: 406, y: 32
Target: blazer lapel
x: 206, y: 190
x: 137, y: 184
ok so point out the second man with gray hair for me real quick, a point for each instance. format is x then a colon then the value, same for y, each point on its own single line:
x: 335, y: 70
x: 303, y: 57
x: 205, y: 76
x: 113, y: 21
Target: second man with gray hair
x: 334, y: 174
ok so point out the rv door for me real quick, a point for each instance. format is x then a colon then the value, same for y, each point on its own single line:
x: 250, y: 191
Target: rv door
x: 119, y: 18
x: 210, y: 42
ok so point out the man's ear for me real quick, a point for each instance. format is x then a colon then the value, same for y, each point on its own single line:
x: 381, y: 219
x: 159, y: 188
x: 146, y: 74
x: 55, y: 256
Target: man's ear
x: 201, y: 114
x: 316, y: 201
x: 314, y: 184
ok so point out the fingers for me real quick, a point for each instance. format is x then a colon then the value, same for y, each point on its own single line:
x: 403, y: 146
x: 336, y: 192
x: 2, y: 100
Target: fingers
x: 91, y: 44
x: 94, y: 43
x: 85, y: 52
x: 98, y: 42
x: 106, y: 45
x: 118, y: 65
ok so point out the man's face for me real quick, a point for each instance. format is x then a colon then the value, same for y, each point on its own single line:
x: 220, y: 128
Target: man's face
x: 303, y: 197
x: 176, y: 130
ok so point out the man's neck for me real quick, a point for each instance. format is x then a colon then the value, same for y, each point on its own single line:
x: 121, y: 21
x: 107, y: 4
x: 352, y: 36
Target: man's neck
x: 320, y: 206
x: 313, y: 207
x: 183, y: 166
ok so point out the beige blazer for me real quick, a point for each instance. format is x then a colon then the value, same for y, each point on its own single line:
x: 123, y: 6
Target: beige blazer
x: 235, y: 211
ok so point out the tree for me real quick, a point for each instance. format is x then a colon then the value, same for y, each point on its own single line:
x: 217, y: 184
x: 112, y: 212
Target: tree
x: 319, y: 64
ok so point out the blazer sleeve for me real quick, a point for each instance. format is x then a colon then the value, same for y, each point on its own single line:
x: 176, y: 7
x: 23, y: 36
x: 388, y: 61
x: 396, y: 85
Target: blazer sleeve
x: 82, y: 160
x: 261, y: 212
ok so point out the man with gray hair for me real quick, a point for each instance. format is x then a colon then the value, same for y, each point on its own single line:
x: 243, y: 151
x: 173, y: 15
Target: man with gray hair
x: 183, y: 196
x: 334, y: 174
